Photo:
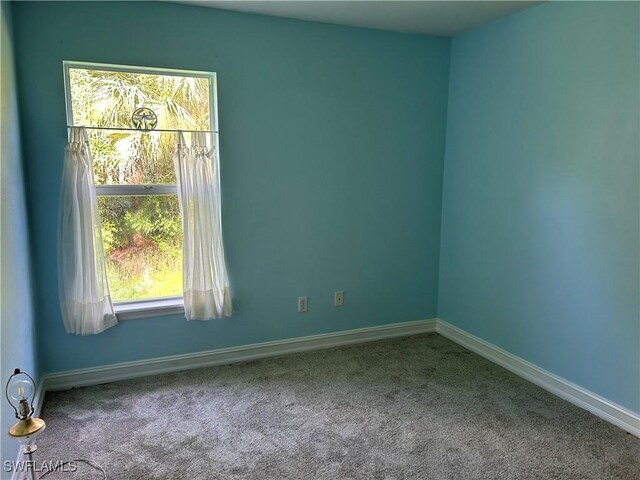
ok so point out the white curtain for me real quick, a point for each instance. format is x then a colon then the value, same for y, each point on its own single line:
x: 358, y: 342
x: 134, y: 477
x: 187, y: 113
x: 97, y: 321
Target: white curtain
x: 205, y: 282
x: 84, y: 293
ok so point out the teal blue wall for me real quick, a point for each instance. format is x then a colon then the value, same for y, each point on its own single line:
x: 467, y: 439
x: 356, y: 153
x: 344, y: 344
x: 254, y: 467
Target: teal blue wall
x: 17, y: 330
x: 332, y: 148
x: 540, y: 229
x: 332, y: 145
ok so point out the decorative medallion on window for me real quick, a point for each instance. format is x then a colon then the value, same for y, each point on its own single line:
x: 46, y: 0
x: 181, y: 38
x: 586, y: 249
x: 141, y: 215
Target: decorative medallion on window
x: 144, y: 119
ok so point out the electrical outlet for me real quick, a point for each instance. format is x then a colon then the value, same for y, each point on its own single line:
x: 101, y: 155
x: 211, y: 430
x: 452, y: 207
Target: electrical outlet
x: 303, y: 304
x: 339, y: 299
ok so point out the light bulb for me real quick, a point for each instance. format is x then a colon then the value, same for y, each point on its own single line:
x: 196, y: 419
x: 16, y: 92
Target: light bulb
x: 20, y: 389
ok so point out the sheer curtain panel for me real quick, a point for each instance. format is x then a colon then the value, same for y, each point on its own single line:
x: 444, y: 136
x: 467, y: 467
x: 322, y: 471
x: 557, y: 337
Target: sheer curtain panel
x: 84, y: 293
x: 206, y: 286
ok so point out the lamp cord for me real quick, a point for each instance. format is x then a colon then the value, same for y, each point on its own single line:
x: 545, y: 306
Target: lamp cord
x: 81, y: 460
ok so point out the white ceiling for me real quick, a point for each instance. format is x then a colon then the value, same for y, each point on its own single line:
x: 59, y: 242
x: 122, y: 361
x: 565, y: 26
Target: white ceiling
x: 444, y: 18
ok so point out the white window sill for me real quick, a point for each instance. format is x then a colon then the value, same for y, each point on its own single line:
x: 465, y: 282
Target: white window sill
x: 149, y: 308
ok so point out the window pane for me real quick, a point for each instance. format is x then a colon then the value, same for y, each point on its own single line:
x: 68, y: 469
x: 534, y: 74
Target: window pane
x: 142, y: 239
x: 132, y: 158
x: 101, y: 98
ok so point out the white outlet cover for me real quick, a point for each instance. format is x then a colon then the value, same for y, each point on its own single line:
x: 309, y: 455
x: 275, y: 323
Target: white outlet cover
x: 303, y: 304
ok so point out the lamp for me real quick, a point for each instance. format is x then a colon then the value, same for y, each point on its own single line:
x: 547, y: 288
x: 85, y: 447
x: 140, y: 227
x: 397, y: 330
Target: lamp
x: 19, y: 392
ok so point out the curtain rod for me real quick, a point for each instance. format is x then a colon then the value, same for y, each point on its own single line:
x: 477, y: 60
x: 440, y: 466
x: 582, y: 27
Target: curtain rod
x: 123, y: 129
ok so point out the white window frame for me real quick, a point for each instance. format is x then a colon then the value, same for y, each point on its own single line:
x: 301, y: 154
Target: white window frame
x: 151, y: 307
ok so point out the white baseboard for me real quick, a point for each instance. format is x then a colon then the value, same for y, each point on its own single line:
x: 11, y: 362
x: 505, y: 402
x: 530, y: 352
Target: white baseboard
x: 38, y: 398
x: 225, y: 356
x: 601, y: 407
x: 581, y: 397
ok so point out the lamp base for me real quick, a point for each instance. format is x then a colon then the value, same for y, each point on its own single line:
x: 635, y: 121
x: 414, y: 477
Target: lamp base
x: 27, y: 428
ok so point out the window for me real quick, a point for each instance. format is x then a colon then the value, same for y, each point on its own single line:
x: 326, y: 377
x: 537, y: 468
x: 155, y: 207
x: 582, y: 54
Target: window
x: 131, y: 115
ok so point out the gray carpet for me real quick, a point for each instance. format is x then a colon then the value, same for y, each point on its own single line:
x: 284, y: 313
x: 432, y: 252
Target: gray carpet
x: 415, y: 407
